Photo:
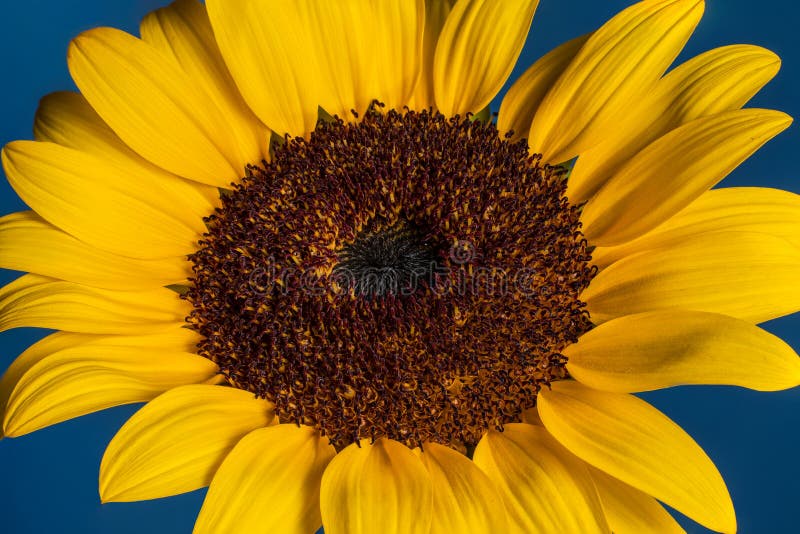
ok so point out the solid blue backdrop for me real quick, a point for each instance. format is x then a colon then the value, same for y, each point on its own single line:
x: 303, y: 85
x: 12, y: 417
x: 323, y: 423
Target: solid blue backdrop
x: 48, y: 480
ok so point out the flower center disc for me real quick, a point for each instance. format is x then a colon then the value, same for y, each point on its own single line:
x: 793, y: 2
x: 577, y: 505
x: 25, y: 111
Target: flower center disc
x: 408, y: 276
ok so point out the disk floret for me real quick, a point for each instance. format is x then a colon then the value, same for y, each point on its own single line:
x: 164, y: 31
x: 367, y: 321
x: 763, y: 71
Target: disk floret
x: 408, y: 275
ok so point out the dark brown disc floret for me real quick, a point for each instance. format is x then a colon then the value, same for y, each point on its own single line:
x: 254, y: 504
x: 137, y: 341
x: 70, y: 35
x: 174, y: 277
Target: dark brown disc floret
x: 409, y: 276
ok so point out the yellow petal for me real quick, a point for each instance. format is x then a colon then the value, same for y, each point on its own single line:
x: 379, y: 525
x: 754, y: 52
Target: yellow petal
x: 183, y: 32
x: 381, y: 487
x: 268, y: 483
x: 436, y: 12
x: 674, y: 170
x: 29, y: 243
x: 67, y: 119
x: 367, y: 51
x: 154, y: 106
x: 464, y: 499
x: 667, y: 348
x: 176, y: 442
x: 628, y: 510
x: 719, y: 80
x: 41, y: 302
x: 178, y: 339
x: 544, y: 487
x: 621, y: 62
x: 743, y: 209
x: 100, y: 373
x: 128, y: 215
x: 477, y: 49
x: 524, y: 97
x: 31, y: 356
x: 269, y: 49
x: 747, y: 275
x: 632, y: 441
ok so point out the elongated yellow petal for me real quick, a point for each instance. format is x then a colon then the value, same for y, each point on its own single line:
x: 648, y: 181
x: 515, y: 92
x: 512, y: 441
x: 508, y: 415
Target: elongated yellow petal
x: 719, y: 80
x: 176, y: 442
x: 100, y: 373
x: 268, y: 47
x: 667, y: 348
x: 381, y: 487
x: 67, y: 119
x: 177, y: 340
x: 674, y: 170
x: 621, y: 62
x: 268, y: 483
x: 154, y: 106
x: 632, y: 441
x: 747, y: 275
x: 544, y: 487
x: 41, y: 302
x: 524, y: 97
x: 477, y: 49
x: 183, y: 32
x: 30, y: 357
x: 464, y: 499
x: 436, y: 12
x: 367, y: 51
x: 29, y: 243
x: 630, y: 511
x: 74, y: 191
x: 742, y: 209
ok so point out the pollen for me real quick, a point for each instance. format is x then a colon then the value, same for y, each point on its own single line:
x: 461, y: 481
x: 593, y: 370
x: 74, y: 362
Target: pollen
x: 408, y: 276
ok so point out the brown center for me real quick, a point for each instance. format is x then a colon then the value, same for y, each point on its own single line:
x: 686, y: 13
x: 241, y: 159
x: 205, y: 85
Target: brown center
x: 410, y: 276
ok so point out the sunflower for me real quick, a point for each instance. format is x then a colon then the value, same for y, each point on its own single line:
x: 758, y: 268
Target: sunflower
x: 353, y: 299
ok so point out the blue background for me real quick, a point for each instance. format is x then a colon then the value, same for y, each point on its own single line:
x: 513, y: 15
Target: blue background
x: 48, y: 480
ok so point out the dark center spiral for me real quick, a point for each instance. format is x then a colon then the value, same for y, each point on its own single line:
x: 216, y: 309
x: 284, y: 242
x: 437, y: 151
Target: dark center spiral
x: 409, y: 276
x: 386, y: 260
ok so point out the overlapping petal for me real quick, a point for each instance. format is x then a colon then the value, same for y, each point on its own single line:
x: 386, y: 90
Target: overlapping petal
x: 31, y: 356
x: 67, y: 119
x: 748, y: 275
x: 545, y: 488
x: 380, y: 487
x: 29, y: 243
x: 464, y: 498
x: 479, y: 44
x: 719, y: 80
x: 524, y: 97
x: 436, y: 12
x: 367, y: 51
x: 154, y: 107
x: 73, y: 190
x: 177, y: 340
x: 620, y: 63
x: 176, y: 442
x: 742, y: 209
x: 101, y: 372
x: 674, y: 170
x: 268, y: 46
x: 183, y: 32
x: 37, y: 301
x: 270, y: 482
x: 630, y: 440
x: 630, y: 511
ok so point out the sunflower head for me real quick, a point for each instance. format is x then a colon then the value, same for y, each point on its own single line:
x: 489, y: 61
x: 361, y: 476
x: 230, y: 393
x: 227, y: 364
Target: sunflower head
x: 408, y: 276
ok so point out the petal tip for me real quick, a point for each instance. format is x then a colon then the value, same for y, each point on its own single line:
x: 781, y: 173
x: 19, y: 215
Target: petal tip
x: 77, y: 43
x: 7, y: 430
